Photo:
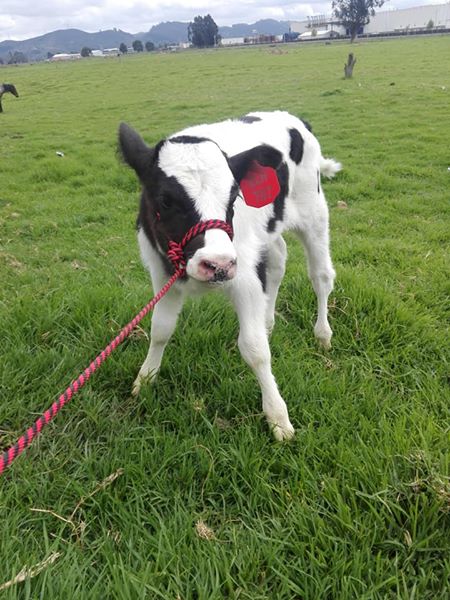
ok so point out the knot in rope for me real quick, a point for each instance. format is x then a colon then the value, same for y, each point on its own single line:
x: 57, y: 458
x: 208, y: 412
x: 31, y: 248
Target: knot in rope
x: 176, y: 256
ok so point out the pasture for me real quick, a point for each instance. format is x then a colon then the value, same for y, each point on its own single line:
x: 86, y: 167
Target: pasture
x: 182, y: 493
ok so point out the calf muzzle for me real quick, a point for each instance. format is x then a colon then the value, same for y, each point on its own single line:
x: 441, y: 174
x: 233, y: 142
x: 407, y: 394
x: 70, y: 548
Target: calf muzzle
x: 222, y: 269
x: 215, y: 271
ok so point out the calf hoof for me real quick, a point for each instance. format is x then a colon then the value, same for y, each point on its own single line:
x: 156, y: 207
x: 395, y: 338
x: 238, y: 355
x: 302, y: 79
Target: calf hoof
x: 136, y: 387
x: 282, y: 433
x: 325, y: 343
x: 323, y: 336
x: 140, y: 380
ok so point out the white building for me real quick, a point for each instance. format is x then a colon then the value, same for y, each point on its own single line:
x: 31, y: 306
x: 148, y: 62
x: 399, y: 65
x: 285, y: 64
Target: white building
x: 315, y: 23
x: 318, y: 34
x: 417, y: 18
x: 232, y: 41
x: 410, y: 19
x: 64, y: 56
x: 111, y: 51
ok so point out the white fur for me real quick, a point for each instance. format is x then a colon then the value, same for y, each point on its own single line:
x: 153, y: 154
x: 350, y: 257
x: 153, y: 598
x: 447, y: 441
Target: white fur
x: 204, y: 173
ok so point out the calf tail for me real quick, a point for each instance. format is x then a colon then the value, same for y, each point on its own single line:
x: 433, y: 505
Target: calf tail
x: 329, y: 167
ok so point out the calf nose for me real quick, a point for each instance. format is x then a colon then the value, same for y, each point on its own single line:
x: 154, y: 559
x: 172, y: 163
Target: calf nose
x: 217, y: 270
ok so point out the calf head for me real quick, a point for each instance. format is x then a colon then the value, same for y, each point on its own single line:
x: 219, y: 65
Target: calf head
x: 186, y: 180
x: 9, y: 87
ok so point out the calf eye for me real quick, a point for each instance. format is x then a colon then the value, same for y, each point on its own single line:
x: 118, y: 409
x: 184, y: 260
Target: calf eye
x: 166, y: 202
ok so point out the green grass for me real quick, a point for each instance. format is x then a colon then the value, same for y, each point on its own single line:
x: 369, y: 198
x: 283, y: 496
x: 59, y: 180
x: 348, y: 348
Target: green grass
x: 357, y: 505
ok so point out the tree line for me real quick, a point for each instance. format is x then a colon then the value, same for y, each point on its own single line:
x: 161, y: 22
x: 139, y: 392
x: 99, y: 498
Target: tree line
x: 137, y: 46
x: 202, y: 33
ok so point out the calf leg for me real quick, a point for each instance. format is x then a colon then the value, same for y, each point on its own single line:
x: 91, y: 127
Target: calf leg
x: 164, y: 320
x: 315, y: 238
x: 164, y: 317
x: 248, y: 299
x: 276, y: 266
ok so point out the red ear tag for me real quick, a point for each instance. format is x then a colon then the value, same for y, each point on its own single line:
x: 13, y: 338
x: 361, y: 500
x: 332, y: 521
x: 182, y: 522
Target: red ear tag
x: 260, y: 186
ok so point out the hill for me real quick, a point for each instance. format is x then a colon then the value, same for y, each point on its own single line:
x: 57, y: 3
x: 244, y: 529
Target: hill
x: 264, y: 26
x: 171, y: 32
x: 65, y: 40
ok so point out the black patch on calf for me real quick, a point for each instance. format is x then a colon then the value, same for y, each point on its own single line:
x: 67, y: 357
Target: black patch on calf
x: 135, y: 151
x: 278, y: 205
x: 265, y: 155
x: 146, y: 220
x: 307, y: 125
x: 249, y: 119
x: 167, y: 213
x: 318, y: 181
x: 230, y: 208
x: 261, y: 270
x: 296, y: 150
x: 188, y: 139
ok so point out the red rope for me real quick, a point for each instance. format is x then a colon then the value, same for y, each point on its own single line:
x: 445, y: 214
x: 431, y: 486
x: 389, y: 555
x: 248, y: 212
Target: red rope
x: 176, y: 255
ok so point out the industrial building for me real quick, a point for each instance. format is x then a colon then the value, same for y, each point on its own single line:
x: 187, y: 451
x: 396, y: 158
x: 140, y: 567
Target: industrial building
x: 417, y: 19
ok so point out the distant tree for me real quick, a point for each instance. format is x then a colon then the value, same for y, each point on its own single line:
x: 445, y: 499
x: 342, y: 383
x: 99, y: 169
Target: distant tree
x: 149, y: 46
x: 138, y: 46
x: 85, y: 51
x: 1, y: 61
x: 17, y: 58
x: 49, y: 55
x: 123, y: 48
x: 430, y: 24
x: 354, y: 14
x: 203, y: 32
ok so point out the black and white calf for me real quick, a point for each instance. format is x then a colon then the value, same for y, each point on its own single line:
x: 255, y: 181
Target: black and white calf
x: 7, y: 87
x: 260, y: 173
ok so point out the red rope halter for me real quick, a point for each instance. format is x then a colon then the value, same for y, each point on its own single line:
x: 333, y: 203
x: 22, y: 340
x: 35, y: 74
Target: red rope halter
x: 176, y: 256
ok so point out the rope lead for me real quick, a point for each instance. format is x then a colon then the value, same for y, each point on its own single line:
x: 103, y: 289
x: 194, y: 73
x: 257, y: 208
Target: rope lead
x: 176, y: 256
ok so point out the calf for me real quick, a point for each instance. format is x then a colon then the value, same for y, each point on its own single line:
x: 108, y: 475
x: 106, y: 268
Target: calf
x: 7, y: 87
x: 260, y: 173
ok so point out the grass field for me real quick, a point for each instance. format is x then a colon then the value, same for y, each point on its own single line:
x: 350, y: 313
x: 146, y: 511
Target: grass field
x: 182, y: 493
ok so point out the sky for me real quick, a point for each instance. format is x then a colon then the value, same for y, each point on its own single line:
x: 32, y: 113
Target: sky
x: 23, y: 19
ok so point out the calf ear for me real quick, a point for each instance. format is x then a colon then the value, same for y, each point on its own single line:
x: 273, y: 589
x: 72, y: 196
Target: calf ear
x: 255, y: 171
x: 266, y: 156
x: 134, y: 150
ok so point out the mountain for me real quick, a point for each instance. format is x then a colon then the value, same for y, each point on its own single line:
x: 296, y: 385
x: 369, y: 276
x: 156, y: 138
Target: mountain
x: 264, y: 26
x: 171, y: 32
x: 65, y: 40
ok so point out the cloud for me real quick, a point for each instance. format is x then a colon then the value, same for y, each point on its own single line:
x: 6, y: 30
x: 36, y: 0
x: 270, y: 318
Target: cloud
x: 22, y: 19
